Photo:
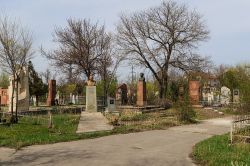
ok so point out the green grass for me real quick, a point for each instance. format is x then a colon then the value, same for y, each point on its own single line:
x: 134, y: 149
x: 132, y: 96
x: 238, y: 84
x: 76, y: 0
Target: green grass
x: 217, y: 151
x: 32, y: 130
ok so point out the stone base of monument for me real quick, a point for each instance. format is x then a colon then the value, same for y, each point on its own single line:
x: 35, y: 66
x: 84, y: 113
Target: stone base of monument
x: 93, y: 121
x: 91, y: 100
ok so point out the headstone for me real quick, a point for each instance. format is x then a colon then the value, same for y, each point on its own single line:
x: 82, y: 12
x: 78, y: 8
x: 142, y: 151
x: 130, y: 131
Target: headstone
x: 91, y: 101
x: 4, y: 96
x: 57, y: 98
x: 141, y: 91
x: 34, y: 100
x: 225, y: 96
x: 111, y: 105
x: 194, y: 93
x: 23, y: 91
x: 52, y: 93
x: 210, y: 98
x: 236, y: 96
x: 73, y: 99
x: 77, y: 99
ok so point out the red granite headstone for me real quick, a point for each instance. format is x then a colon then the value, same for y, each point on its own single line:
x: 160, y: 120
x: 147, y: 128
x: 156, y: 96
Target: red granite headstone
x: 52, y: 93
x: 141, y: 92
x: 194, y: 94
x: 4, y: 96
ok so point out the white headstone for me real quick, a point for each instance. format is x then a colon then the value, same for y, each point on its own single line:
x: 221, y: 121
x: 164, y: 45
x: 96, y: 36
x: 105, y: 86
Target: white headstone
x: 225, y: 97
x: 73, y: 99
x: 77, y: 99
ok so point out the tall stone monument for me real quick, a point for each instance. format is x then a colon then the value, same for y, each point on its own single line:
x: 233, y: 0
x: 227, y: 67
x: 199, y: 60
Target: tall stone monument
x: 141, y: 91
x: 194, y: 92
x: 91, y: 100
x: 52, y: 93
x: 23, y: 91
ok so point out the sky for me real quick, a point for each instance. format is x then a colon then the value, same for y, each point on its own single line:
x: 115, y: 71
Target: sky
x: 226, y: 19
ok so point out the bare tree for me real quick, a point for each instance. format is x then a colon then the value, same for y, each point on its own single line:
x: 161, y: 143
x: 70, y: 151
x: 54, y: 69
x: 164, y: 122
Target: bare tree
x: 163, y: 37
x: 81, y: 46
x: 107, y: 66
x: 15, y: 52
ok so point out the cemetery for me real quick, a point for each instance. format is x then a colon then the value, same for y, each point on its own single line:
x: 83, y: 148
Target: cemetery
x: 88, y: 92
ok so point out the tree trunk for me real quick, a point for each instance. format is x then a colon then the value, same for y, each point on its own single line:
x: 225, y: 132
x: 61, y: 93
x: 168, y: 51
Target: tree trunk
x: 37, y: 98
x: 12, y: 101
x: 16, y: 119
x: 161, y: 89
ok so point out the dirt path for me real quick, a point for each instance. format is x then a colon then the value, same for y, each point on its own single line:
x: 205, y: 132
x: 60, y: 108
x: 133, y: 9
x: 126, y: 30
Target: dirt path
x: 152, y: 148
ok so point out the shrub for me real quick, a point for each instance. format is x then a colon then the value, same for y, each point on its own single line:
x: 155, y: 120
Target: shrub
x: 185, y: 112
x: 132, y: 116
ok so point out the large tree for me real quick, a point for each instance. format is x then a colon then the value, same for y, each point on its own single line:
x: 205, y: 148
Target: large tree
x: 163, y: 37
x: 80, y: 47
x: 15, y: 52
x: 85, y: 48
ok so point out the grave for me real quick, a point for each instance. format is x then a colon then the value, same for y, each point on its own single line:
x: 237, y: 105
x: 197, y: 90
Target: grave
x: 111, y: 105
x: 91, y: 101
x: 23, y: 91
x: 236, y: 95
x: 52, y: 93
x: 225, y: 96
x: 91, y: 120
x: 194, y: 93
x: 141, y: 91
x: 4, y: 98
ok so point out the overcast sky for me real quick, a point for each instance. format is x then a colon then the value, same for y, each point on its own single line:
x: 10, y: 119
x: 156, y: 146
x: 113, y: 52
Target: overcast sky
x: 227, y: 21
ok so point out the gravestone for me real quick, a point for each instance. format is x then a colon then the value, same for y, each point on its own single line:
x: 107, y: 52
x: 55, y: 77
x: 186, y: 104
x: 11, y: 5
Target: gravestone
x: 73, y: 99
x: 91, y: 101
x: 194, y: 93
x: 236, y: 96
x: 23, y: 91
x: 4, y: 96
x: 225, y: 96
x: 52, y: 93
x: 141, y: 91
x: 77, y: 99
x: 111, y: 105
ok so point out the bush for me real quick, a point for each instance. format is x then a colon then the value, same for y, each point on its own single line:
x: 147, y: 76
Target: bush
x: 185, y: 112
x: 132, y: 116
